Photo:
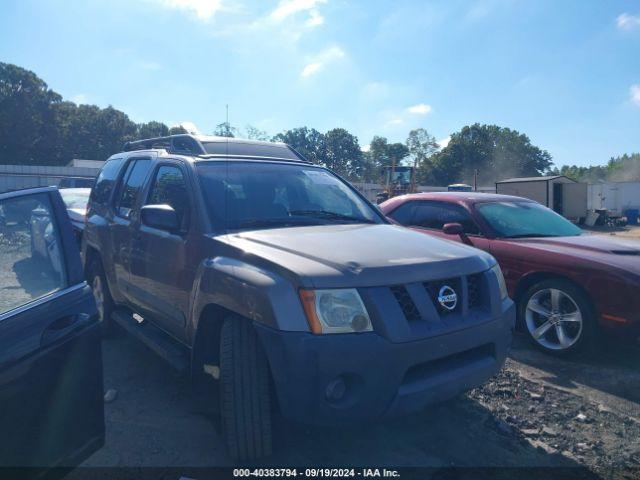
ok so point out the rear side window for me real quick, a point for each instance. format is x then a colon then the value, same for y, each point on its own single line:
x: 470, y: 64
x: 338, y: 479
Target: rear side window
x: 106, y: 181
x: 436, y: 214
x: 433, y: 215
x: 133, y: 179
x: 32, y: 264
x: 169, y: 187
x: 404, y: 213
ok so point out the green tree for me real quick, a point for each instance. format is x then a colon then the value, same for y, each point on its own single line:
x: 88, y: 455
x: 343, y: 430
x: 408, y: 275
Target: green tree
x: 495, y: 152
x: 343, y: 154
x: 27, y: 117
x: 422, y: 145
x: 307, y: 141
x: 254, y: 133
x: 225, y: 129
x: 152, y: 129
x: 177, y: 130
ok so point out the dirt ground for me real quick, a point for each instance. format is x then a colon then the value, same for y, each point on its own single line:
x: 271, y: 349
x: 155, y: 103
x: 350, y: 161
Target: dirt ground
x: 539, y: 411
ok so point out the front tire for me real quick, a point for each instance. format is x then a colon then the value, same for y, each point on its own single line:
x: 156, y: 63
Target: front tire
x: 102, y: 295
x: 245, y: 399
x: 557, y: 317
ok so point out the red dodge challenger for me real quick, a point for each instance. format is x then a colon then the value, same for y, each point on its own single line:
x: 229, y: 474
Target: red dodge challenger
x: 568, y: 284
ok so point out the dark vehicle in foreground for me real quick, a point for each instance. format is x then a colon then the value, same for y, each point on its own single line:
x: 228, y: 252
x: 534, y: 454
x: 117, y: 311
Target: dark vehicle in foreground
x: 76, y: 200
x: 568, y: 284
x: 281, y: 289
x: 50, y: 344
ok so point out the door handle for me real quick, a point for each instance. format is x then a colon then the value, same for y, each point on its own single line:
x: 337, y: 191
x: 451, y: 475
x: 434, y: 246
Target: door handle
x: 62, y: 326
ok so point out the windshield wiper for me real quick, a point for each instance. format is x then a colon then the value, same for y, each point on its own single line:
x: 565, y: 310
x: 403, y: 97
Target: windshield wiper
x: 264, y: 222
x: 330, y: 215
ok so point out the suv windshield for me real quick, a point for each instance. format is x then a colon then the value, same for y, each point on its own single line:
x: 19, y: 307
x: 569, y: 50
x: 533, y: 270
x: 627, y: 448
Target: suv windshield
x: 250, y: 195
x: 525, y: 219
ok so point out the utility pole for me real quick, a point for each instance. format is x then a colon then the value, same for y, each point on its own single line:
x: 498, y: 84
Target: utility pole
x: 475, y: 180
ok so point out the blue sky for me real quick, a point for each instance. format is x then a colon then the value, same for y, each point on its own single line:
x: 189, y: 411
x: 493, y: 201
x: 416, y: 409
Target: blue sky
x: 566, y: 73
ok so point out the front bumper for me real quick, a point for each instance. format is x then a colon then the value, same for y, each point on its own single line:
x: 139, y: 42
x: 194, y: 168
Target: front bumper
x: 380, y: 378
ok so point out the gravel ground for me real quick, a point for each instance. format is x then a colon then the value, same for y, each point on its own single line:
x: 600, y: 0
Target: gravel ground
x: 530, y: 415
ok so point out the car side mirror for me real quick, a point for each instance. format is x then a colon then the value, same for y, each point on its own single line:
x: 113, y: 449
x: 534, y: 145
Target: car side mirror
x: 456, y: 229
x: 162, y: 217
x: 452, y: 229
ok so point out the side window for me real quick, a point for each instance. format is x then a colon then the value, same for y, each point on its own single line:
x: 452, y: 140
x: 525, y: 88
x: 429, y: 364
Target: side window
x: 133, y: 180
x: 106, y: 180
x: 31, y: 259
x: 404, y: 213
x: 169, y: 187
x: 435, y: 214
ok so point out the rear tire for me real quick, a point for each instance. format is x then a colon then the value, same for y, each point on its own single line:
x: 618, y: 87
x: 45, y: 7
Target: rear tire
x: 245, y: 400
x: 557, y: 317
x: 102, y: 295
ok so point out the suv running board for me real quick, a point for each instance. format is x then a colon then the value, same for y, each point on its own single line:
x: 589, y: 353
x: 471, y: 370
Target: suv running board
x: 154, y: 338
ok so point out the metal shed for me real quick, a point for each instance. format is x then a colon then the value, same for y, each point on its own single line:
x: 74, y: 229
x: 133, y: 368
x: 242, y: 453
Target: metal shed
x: 558, y: 192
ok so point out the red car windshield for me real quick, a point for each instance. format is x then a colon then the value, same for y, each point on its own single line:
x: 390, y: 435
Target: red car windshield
x: 525, y: 219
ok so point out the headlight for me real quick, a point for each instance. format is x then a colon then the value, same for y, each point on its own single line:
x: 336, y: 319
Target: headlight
x: 335, y: 311
x: 501, y: 283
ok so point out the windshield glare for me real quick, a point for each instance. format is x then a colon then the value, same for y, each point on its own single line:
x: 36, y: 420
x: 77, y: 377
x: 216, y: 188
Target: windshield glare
x: 525, y: 219
x: 249, y: 195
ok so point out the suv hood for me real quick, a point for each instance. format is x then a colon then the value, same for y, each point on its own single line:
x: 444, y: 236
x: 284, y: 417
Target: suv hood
x: 330, y: 256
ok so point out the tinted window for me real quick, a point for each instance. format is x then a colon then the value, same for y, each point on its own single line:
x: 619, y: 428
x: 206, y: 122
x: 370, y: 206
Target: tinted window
x: 435, y: 214
x: 169, y: 187
x: 134, y: 177
x: 31, y: 260
x: 404, y: 213
x: 106, y: 180
x: 526, y: 219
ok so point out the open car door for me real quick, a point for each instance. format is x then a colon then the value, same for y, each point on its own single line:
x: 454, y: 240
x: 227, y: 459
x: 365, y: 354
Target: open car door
x: 51, y: 392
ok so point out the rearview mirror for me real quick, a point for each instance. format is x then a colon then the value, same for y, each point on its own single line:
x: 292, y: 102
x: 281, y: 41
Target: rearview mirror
x: 162, y: 217
x: 452, y: 229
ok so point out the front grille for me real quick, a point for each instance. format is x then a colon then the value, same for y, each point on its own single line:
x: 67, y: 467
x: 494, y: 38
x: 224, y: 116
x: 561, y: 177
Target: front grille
x: 409, y: 308
x: 474, y: 290
x: 433, y: 289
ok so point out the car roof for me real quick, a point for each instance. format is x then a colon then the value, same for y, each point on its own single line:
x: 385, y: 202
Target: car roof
x: 464, y: 197
x: 208, y: 147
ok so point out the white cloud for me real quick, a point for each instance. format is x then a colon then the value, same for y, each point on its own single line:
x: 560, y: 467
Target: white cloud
x: 286, y: 8
x: 444, y: 142
x: 190, y: 127
x: 365, y: 148
x: 315, y: 19
x: 320, y: 61
x: 291, y: 8
x: 419, y: 109
x: 205, y: 10
x: 79, y: 98
x: 626, y: 21
x: 634, y: 93
x: 311, y: 69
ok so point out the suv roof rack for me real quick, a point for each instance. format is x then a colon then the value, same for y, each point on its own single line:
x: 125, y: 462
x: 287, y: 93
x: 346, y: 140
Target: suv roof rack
x: 188, y: 144
x: 183, y: 144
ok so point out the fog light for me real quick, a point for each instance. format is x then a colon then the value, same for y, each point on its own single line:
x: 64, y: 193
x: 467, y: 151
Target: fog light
x: 336, y: 389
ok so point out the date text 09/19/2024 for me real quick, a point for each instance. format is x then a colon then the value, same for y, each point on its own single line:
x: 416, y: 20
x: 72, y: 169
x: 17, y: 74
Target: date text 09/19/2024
x: 315, y: 472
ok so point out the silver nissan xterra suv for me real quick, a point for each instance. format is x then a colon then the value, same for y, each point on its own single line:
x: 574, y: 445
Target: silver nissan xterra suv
x: 282, y: 290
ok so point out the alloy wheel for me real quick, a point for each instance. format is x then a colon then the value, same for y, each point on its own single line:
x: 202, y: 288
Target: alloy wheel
x: 553, y: 319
